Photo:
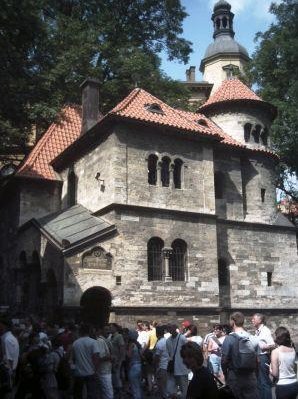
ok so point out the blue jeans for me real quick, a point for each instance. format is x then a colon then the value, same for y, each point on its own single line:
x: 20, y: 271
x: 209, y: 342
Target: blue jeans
x: 264, y: 382
x: 135, y: 380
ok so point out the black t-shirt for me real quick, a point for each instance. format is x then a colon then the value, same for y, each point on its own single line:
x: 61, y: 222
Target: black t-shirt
x: 202, y: 385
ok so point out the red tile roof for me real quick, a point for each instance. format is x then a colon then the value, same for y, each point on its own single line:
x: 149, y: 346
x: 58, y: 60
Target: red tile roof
x: 231, y: 90
x: 58, y: 137
x: 137, y: 104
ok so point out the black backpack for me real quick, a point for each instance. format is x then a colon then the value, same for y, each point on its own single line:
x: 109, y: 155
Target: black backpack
x: 63, y: 373
x: 243, y: 353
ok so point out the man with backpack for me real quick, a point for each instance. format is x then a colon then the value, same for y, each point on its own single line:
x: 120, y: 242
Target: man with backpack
x: 239, y: 360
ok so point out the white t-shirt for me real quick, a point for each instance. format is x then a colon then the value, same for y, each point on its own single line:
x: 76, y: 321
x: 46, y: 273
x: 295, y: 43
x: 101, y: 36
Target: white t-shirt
x: 161, y: 351
x: 83, y: 350
x: 10, y: 349
x: 143, y: 338
x: 197, y: 339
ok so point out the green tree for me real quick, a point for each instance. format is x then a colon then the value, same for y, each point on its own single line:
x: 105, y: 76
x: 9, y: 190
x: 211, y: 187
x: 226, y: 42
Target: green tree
x: 274, y: 68
x: 51, y: 46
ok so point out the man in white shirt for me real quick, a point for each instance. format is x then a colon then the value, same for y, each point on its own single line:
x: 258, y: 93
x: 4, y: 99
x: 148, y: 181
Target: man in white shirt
x: 85, y: 355
x: 9, y: 350
x: 265, y: 344
x: 180, y: 376
x: 104, y: 372
x: 9, y: 345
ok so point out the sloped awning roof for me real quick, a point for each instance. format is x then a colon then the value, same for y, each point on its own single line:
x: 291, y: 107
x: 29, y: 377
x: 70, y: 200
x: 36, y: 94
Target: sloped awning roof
x: 73, y: 228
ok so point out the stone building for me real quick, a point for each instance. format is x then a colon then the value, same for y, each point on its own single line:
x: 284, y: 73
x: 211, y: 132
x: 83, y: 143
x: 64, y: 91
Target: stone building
x: 173, y: 213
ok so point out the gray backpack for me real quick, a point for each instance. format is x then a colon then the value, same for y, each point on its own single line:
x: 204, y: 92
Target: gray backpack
x: 243, y: 354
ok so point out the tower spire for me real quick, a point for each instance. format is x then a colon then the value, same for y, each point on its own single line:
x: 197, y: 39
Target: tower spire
x: 222, y: 18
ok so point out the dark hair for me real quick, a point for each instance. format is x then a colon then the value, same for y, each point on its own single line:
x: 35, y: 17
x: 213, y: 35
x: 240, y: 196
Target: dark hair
x: 6, y: 322
x: 193, y: 330
x: 160, y: 330
x: 218, y: 327
x: 191, y: 349
x: 226, y: 329
x: 238, y: 318
x: 283, y: 337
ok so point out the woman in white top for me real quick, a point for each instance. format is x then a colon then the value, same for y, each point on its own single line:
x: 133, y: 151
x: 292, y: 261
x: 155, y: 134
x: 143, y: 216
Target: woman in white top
x: 283, y: 365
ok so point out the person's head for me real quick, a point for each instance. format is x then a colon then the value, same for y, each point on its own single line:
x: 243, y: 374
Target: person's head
x: 283, y: 337
x: 132, y: 335
x: 237, y: 319
x: 5, y: 325
x: 185, y: 325
x: 192, y: 355
x: 84, y: 330
x: 258, y: 319
x: 160, y: 331
x: 193, y: 330
x: 114, y: 328
x: 172, y: 329
x: 140, y: 326
x: 153, y: 324
x: 226, y: 329
x: 217, y: 330
x: 146, y: 325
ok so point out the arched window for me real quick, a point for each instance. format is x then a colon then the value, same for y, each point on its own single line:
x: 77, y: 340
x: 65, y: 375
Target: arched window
x: 217, y: 22
x: 154, y: 254
x: 72, y: 188
x: 219, y: 184
x: 223, y: 273
x: 264, y: 136
x: 247, y: 131
x: 152, y: 169
x: 178, y: 260
x: 178, y: 173
x: 224, y: 22
x: 165, y: 172
x: 256, y: 133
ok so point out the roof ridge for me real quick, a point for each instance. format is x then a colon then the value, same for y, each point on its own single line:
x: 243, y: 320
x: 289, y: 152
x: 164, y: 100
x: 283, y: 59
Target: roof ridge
x: 125, y: 102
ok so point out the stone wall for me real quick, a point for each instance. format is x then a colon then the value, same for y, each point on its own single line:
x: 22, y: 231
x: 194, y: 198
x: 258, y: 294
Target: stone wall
x: 129, y: 251
x: 232, y: 118
x: 197, y: 190
x: 38, y: 199
x: 252, y: 251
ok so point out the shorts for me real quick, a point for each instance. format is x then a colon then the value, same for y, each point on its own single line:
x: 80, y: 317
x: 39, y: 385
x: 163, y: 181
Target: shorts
x: 215, y: 363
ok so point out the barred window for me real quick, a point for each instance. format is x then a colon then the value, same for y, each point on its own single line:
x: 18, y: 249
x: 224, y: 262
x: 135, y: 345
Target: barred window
x: 177, y: 173
x: 165, y: 171
x: 154, y: 253
x: 152, y: 169
x: 178, y: 260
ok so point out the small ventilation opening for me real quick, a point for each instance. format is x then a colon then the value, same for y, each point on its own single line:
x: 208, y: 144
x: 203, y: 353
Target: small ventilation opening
x: 263, y: 192
x: 118, y: 280
x: 269, y: 279
x: 154, y: 108
x: 202, y: 122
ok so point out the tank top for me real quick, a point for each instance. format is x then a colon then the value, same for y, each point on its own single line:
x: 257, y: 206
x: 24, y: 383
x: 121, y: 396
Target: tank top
x: 286, y: 362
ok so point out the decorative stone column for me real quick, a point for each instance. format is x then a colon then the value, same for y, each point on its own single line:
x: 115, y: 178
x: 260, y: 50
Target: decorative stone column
x: 167, y: 252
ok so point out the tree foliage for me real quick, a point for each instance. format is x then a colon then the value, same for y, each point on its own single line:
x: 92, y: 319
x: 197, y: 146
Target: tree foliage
x: 48, y: 47
x: 274, y: 68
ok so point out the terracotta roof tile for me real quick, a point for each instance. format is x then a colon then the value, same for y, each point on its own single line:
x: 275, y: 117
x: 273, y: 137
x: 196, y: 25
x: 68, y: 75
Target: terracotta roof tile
x: 58, y: 137
x: 231, y: 90
x: 142, y: 106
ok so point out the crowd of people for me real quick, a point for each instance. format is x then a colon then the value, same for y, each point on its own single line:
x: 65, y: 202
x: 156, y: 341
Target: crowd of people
x: 42, y: 361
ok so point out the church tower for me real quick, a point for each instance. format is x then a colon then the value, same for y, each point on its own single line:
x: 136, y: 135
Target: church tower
x: 224, y: 56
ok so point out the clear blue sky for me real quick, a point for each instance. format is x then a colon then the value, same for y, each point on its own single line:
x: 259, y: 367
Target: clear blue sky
x: 251, y: 16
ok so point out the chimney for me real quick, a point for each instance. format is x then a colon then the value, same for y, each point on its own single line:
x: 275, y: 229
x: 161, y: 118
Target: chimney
x: 90, y: 104
x: 192, y: 74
